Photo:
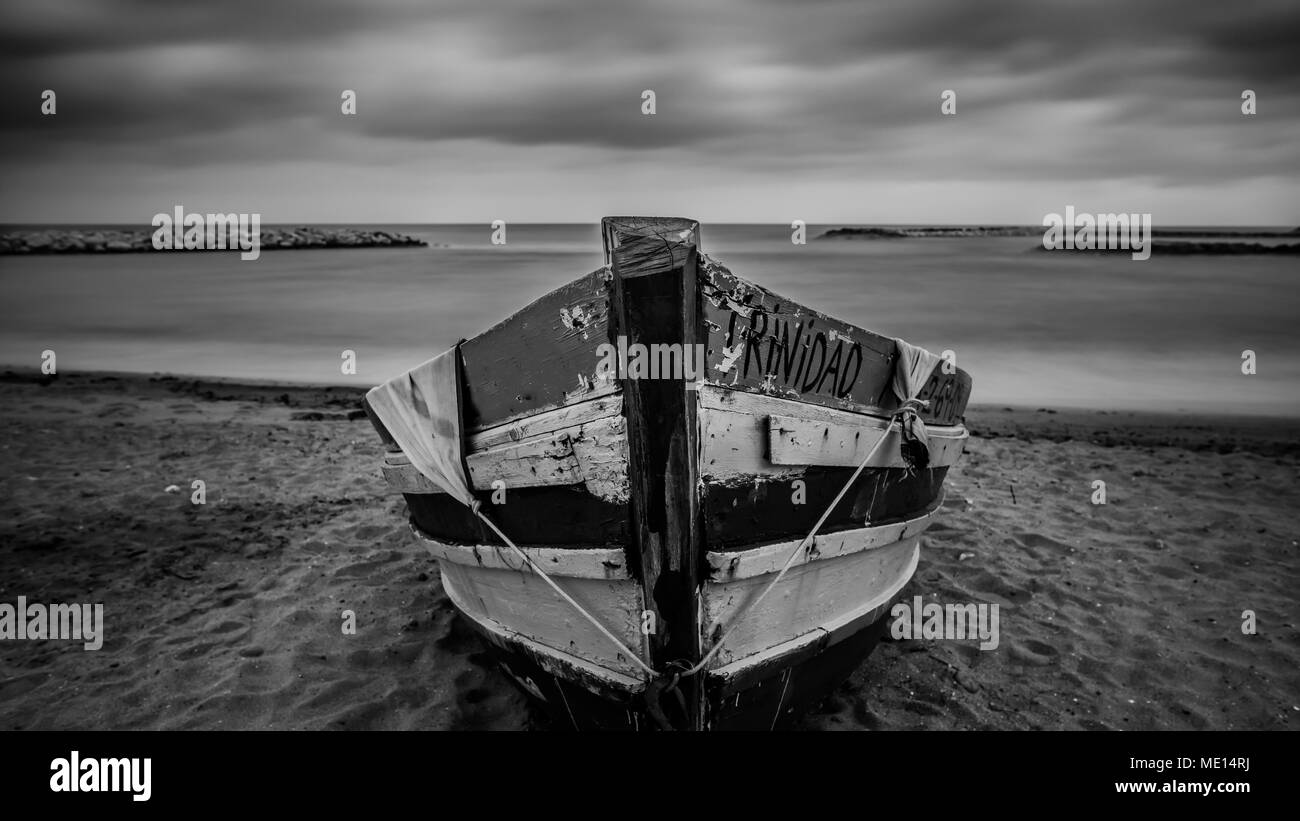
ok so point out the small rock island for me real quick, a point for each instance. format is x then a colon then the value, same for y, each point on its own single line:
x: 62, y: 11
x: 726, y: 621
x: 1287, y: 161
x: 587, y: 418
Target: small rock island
x: 140, y: 240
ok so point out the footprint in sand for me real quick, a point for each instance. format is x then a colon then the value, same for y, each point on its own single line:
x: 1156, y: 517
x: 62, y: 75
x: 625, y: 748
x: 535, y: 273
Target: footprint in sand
x: 196, y: 651
x: 1038, y: 540
x: 14, y: 687
x: 1169, y: 572
x: 988, y: 585
x: 459, y: 639
x: 1034, y: 653
x: 484, y: 700
x: 363, y: 569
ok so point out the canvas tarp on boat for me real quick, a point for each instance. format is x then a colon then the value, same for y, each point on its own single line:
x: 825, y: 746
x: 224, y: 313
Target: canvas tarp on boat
x: 421, y: 410
x: 912, y: 370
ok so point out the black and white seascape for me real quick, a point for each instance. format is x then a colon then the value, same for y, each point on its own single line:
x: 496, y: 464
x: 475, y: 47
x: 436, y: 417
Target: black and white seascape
x: 762, y: 365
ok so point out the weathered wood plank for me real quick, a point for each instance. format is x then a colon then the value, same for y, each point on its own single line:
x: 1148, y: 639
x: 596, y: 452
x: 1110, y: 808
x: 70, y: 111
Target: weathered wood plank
x: 600, y: 450
x: 769, y: 558
x: 947, y: 395
x: 544, y: 460
x: 552, y: 421
x: 813, y: 596
x: 738, y: 445
x: 565, y: 671
x: 579, y: 563
x: 593, y: 454
x: 527, y: 606
x: 793, y: 441
x: 654, y: 285
x: 559, y: 515
x: 764, y: 343
x: 741, y: 515
x: 541, y: 358
x: 829, y: 652
x: 679, y: 232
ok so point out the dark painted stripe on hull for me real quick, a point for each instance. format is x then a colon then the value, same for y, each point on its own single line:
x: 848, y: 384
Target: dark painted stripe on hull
x: 735, y: 518
x: 738, y: 517
x: 562, y: 516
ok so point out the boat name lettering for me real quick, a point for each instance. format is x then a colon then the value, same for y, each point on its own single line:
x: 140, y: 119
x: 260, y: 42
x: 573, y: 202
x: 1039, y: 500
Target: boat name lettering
x: 795, y: 354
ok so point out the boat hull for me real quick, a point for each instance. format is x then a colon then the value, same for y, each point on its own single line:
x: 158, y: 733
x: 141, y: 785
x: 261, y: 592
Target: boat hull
x: 584, y: 683
x: 773, y: 703
x: 665, y: 507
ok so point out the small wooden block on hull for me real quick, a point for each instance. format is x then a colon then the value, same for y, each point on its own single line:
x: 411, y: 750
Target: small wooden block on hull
x: 793, y: 441
x: 748, y: 437
x: 579, y: 448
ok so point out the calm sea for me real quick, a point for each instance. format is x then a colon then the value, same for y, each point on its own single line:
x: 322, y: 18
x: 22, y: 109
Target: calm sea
x: 1033, y: 328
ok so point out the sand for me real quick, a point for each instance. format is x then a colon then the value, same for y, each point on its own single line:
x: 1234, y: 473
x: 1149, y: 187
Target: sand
x: 228, y: 615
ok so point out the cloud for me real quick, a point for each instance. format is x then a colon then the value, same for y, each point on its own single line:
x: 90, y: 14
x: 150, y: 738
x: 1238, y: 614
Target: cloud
x: 819, y: 90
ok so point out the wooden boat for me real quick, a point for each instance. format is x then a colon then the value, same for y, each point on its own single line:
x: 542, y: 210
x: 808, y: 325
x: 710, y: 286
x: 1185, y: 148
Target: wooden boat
x: 661, y: 574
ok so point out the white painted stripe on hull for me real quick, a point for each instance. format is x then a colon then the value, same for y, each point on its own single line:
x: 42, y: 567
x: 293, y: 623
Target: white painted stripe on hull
x: 715, y: 397
x: 830, y: 633
x: 569, y: 416
x: 770, y: 558
x: 823, y: 600
x: 815, y: 596
x: 561, y: 665
x: 793, y: 441
x: 527, y: 606
x: 575, y: 563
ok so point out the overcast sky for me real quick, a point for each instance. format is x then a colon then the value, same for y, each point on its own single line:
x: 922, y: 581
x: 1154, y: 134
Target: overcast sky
x: 821, y: 110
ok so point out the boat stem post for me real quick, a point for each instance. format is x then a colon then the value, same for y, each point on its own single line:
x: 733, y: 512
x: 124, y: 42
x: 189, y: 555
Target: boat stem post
x: 655, y: 301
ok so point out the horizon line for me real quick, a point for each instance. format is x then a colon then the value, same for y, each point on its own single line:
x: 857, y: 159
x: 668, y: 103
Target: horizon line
x: 977, y: 223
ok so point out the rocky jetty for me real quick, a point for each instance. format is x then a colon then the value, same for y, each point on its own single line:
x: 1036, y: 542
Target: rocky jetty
x: 1189, y: 248
x: 872, y: 232
x: 140, y: 240
x: 931, y: 231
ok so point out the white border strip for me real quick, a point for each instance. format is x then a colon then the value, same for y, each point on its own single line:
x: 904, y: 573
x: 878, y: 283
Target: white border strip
x: 726, y: 566
x: 568, y: 562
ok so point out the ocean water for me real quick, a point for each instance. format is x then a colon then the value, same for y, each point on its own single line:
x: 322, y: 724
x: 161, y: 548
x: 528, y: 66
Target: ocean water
x: 1032, y: 328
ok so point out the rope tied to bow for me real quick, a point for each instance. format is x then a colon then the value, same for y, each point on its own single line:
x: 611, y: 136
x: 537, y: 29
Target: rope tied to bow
x: 915, y: 447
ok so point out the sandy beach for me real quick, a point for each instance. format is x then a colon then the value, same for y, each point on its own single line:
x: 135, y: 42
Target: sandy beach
x: 227, y: 615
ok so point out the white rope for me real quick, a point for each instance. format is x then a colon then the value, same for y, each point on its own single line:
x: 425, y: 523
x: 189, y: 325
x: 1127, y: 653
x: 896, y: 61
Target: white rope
x: 477, y: 508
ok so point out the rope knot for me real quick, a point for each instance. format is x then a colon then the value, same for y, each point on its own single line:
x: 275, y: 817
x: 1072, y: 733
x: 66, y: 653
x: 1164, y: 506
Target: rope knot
x: 911, y: 408
x: 915, y: 447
